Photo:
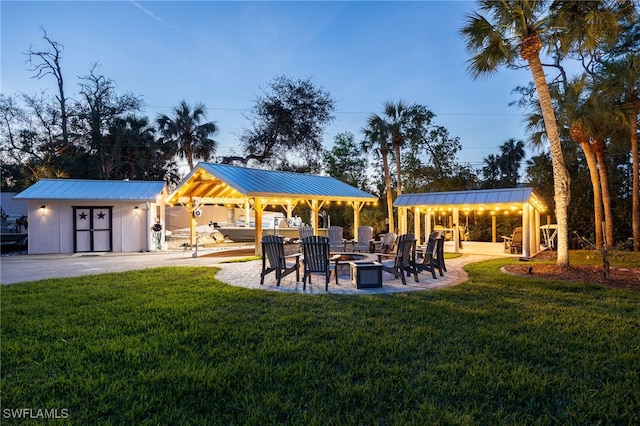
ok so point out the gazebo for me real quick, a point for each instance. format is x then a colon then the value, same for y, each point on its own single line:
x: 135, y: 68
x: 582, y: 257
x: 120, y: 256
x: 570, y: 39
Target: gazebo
x: 254, y: 189
x: 513, y: 200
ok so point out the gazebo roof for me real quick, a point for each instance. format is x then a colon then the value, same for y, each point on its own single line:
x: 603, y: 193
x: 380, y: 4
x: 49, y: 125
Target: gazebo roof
x: 502, y: 198
x: 221, y: 182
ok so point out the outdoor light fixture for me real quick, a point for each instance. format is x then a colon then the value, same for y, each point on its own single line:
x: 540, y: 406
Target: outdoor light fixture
x: 136, y: 209
x: 42, y: 209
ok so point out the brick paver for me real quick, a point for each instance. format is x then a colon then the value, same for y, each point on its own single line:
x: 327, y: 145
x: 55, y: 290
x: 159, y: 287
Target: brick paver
x: 247, y: 274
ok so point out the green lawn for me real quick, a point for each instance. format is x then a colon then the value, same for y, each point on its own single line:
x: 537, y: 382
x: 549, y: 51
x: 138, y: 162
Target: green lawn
x: 154, y: 347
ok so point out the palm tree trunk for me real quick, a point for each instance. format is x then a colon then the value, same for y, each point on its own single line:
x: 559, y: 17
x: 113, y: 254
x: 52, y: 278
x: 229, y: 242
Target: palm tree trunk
x: 635, y: 197
x: 396, y: 148
x: 599, y: 146
x: 189, y: 156
x: 387, y: 183
x: 561, y: 181
x: 597, y: 194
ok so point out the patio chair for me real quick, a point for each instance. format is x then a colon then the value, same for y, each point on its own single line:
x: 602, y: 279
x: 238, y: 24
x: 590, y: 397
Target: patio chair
x: 336, y: 242
x: 513, y: 244
x: 426, y: 260
x: 315, y: 251
x: 404, y: 259
x: 440, y: 252
x: 516, y: 241
x: 365, y: 237
x: 387, y: 243
x: 273, y: 253
x: 305, y: 231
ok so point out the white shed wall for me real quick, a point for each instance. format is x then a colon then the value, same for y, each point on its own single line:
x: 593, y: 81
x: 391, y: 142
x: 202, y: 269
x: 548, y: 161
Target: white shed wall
x: 51, y: 229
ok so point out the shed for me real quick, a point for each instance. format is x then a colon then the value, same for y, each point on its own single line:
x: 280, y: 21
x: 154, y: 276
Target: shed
x: 248, y: 188
x: 86, y: 216
x: 523, y: 201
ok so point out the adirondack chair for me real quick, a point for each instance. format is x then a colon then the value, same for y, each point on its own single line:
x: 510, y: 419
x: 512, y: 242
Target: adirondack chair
x: 514, y: 243
x: 336, y: 242
x: 315, y: 251
x: 273, y: 254
x: 440, y: 252
x: 516, y: 240
x: 426, y: 259
x: 404, y: 259
x: 305, y: 231
x: 365, y: 237
x: 387, y: 244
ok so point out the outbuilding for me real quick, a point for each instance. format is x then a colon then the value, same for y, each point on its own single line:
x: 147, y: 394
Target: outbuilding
x: 88, y: 216
x: 522, y: 201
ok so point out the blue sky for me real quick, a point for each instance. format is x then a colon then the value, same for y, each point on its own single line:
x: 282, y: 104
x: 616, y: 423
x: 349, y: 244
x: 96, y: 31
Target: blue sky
x: 223, y: 53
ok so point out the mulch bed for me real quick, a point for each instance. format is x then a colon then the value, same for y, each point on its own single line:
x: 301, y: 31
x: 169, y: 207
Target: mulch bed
x: 628, y: 278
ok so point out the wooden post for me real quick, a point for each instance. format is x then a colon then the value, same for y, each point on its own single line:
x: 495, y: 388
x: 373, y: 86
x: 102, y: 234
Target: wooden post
x: 416, y: 223
x: 494, y: 221
x: 257, y: 205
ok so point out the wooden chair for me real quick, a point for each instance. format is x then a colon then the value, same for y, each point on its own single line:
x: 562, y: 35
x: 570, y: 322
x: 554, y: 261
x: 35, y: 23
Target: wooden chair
x: 315, y: 251
x: 273, y: 253
x: 404, y: 259
x: 336, y: 241
x: 387, y: 244
x: 516, y: 240
x: 440, y: 252
x: 513, y: 243
x: 305, y: 231
x: 365, y: 237
x: 427, y: 260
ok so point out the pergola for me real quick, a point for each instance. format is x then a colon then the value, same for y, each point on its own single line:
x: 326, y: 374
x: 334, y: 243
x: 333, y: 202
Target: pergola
x: 492, y: 201
x: 246, y: 188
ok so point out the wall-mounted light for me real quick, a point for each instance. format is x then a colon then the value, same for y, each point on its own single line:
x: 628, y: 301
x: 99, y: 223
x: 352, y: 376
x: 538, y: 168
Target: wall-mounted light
x: 43, y: 208
x: 136, y: 210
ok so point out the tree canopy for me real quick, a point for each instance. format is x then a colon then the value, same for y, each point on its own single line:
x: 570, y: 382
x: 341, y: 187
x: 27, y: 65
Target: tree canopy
x: 286, y: 125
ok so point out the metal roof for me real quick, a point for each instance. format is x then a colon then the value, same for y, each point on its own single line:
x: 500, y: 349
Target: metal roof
x: 222, y: 181
x: 474, y: 198
x: 98, y: 190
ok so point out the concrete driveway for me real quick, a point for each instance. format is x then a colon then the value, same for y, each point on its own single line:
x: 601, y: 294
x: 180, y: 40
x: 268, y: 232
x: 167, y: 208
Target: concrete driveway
x: 30, y: 267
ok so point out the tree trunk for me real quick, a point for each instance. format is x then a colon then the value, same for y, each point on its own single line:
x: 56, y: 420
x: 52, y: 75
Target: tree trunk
x: 387, y: 182
x: 396, y: 148
x: 401, y: 218
x: 599, y: 149
x: 597, y: 194
x: 635, y: 197
x: 561, y: 182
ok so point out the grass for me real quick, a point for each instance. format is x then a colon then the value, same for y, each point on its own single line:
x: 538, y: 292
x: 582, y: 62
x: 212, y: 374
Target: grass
x: 175, y: 346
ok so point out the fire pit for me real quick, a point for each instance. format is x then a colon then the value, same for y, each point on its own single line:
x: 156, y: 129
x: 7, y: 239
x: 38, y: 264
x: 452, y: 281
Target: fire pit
x: 349, y: 257
x: 366, y: 274
x: 343, y: 261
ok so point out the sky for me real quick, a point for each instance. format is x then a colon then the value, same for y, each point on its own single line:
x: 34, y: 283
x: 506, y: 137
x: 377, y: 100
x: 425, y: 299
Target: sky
x: 224, y: 53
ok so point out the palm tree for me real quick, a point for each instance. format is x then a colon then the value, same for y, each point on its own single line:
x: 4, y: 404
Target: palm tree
x: 622, y: 81
x: 512, y: 153
x: 516, y: 28
x: 375, y: 138
x: 602, y: 124
x: 399, y: 121
x: 188, y: 135
x: 403, y: 122
x: 576, y: 117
